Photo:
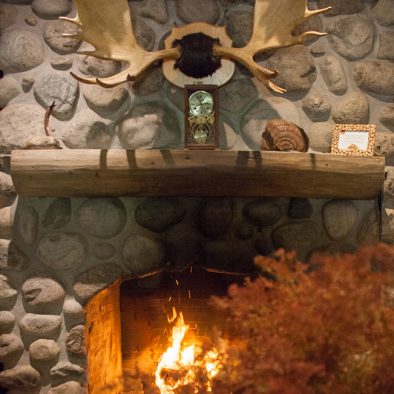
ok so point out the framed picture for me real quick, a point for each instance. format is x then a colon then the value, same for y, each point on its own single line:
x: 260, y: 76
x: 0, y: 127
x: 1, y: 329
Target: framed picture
x: 353, y: 139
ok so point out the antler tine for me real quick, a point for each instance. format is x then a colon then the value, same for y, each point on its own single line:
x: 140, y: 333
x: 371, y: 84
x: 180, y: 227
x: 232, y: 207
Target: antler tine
x: 306, y: 34
x: 310, y: 13
x: 75, y: 20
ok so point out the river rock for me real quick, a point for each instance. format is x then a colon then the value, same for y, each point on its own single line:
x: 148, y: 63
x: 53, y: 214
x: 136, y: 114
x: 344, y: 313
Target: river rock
x: 386, y: 116
x: 368, y: 231
x: 62, y: 62
x: 21, y: 380
x: 53, y: 36
x: 375, y: 76
x: 320, y: 137
x: 68, y: 388
x: 74, y: 314
x: 149, y: 82
x: 202, y: 11
x: 354, y: 108
x: 8, y: 294
x: 20, y: 50
x: 300, y: 208
x: 11, y: 257
x: 62, y: 251
x: 58, y: 214
x: 87, y: 130
x: 7, y: 322
x: 339, y: 218
x: 103, y: 250
x: 31, y: 20
x: 34, y: 327
x: 352, y: 37
x: 27, y: 84
x: 8, y: 15
x: 95, y: 279
x: 262, y: 212
x: 44, y: 351
x: 11, y: 350
x: 158, y: 214
x: 102, y: 217
x: 383, y: 12
x: 26, y: 224
x: 386, y: 45
x: 153, y: 9
x: 239, y: 25
x: 333, y: 74
x: 7, y: 190
x: 104, y: 101
x: 340, y: 7
x: 9, y: 89
x: 215, y: 216
x: 144, y: 35
x: 51, y: 9
x: 42, y: 295
x: 236, y: 95
x: 92, y: 66
x: 317, y: 106
x: 296, y: 66
x: 143, y: 254
x: 60, y: 88
x: 65, y: 371
x: 75, y: 342
x: 384, y: 146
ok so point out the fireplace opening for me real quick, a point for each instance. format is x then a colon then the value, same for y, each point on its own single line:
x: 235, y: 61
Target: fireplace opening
x: 151, y: 334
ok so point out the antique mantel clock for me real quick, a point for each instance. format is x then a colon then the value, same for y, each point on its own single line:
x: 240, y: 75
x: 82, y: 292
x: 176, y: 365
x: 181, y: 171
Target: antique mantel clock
x: 201, y: 117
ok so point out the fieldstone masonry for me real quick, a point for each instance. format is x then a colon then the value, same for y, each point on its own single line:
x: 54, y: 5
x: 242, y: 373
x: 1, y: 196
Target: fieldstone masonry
x: 62, y: 251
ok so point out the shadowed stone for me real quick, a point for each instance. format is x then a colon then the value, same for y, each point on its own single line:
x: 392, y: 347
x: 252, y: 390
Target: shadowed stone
x: 262, y: 212
x: 8, y: 15
x: 8, y: 294
x: 27, y: 84
x: 386, y: 45
x: 201, y: 11
x: 43, y: 295
x: 383, y: 12
x: 20, y: 50
x: 95, y: 279
x: 386, y: 116
x: 354, y: 108
x: 65, y: 372
x: 34, y: 327
x: 74, y: 314
x: 300, y: 208
x: 75, y: 342
x: 90, y: 65
x: 62, y: 62
x: 154, y: 9
x: 368, y: 231
x: 53, y: 36
x: 51, y: 9
x: 103, y: 250
x: 384, y: 146
x: 11, y: 350
x: 144, y: 35
x: 339, y: 218
x: 333, y: 74
x: 239, y: 25
x: 243, y: 230
x: 317, y: 106
x: 236, y: 95
x: 149, y: 82
x: 26, y: 224
x: 158, y: 214
x: 68, y: 388
x: 58, y: 213
x: 31, y: 20
x: 9, y: 89
x: 7, y: 190
x: 215, y: 216
x: 63, y: 251
x: 23, y: 379
x: 7, y: 322
x: 320, y: 136
x: 11, y: 257
x: 341, y: 7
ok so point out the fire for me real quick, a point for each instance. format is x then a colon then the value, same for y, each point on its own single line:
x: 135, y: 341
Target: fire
x: 181, y: 366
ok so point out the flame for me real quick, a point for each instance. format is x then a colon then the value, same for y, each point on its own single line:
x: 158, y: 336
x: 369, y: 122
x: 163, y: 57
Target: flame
x: 179, y: 364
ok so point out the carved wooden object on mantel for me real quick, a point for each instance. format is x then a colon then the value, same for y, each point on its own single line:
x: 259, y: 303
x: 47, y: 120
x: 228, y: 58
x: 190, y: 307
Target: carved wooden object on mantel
x: 91, y: 172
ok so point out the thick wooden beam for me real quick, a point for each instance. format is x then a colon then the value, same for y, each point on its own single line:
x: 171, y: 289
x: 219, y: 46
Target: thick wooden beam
x: 93, y: 173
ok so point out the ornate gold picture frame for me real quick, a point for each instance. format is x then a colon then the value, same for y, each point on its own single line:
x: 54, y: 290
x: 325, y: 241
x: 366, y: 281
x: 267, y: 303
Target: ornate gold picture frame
x: 353, y: 139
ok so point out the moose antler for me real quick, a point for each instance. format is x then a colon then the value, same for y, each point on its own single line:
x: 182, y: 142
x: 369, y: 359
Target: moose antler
x: 273, y: 24
x: 107, y: 26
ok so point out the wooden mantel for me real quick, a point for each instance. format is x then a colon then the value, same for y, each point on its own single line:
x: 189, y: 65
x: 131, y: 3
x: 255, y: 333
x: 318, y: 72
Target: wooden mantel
x: 117, y: 172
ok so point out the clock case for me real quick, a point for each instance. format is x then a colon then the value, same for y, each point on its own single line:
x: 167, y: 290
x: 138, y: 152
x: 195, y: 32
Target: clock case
x: 214, y: 91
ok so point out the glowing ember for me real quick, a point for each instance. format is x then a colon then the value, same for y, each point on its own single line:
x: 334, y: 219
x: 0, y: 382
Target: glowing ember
x: 182, y: 366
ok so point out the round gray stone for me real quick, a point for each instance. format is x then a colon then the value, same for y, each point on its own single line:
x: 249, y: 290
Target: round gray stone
x: 90, y: 65
x: 105, y: 101
x: 333, y: 74
x: 65, y: 371
x: 340, y: 7
x: 239, y: 25
x: 354, y: 108
x: 383, y: 12
x: 11, y: 257
x: 296, y: 66
x: 215, y: 216
x: 44, y: 351
x: 7, y: 190
x: 60, y: 88
x: 94, y: 280
x: 53, y: 36
x: 62, y: 62
x: 102, y: 217
x: 62, y: 251
x: 20, y: 50
x: 8, y: 294
x: 158, y: 214
x: 26, y: 224
x: 368, y: 231
x: 386, y: 116
x: 87, y: 130
x: 22, y: 379
x: 9, y: 89
x: 104, y: 250
x: 151, y: 81
x: 384, y: 146
x: 262, y: 212
x: 144, y: 35
x: 320, y: 137
x: 300, y: 208
x: 143, y: 254
x: 34, y: 327
x: 352, y: 37
x: 202, y: 11
x: 74, y: 314
x: 317, y: 106
x: 75, y: 341
x: 27, y: 84
x: 386, y: 45
x: 31, y: 20
x: 339, y: 218
x: 68, y: 388
x: 236, y: 95
x: 58, y: 214
x: 7, y: 322
x: 43, y: 295
x: 8, y: 15
x: 51, y: 9
x: 11, y: 350
x: 153, y: 9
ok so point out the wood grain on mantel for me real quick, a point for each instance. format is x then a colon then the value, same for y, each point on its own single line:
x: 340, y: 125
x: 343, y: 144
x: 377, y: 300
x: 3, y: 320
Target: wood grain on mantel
x: 117, y: 172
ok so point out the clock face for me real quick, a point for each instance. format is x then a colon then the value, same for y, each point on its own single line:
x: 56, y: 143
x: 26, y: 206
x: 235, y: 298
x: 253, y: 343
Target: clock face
x: 201, y: 103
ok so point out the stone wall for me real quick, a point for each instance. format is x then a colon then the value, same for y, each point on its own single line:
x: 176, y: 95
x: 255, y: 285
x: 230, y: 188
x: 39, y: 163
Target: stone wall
x: 62, y: 251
